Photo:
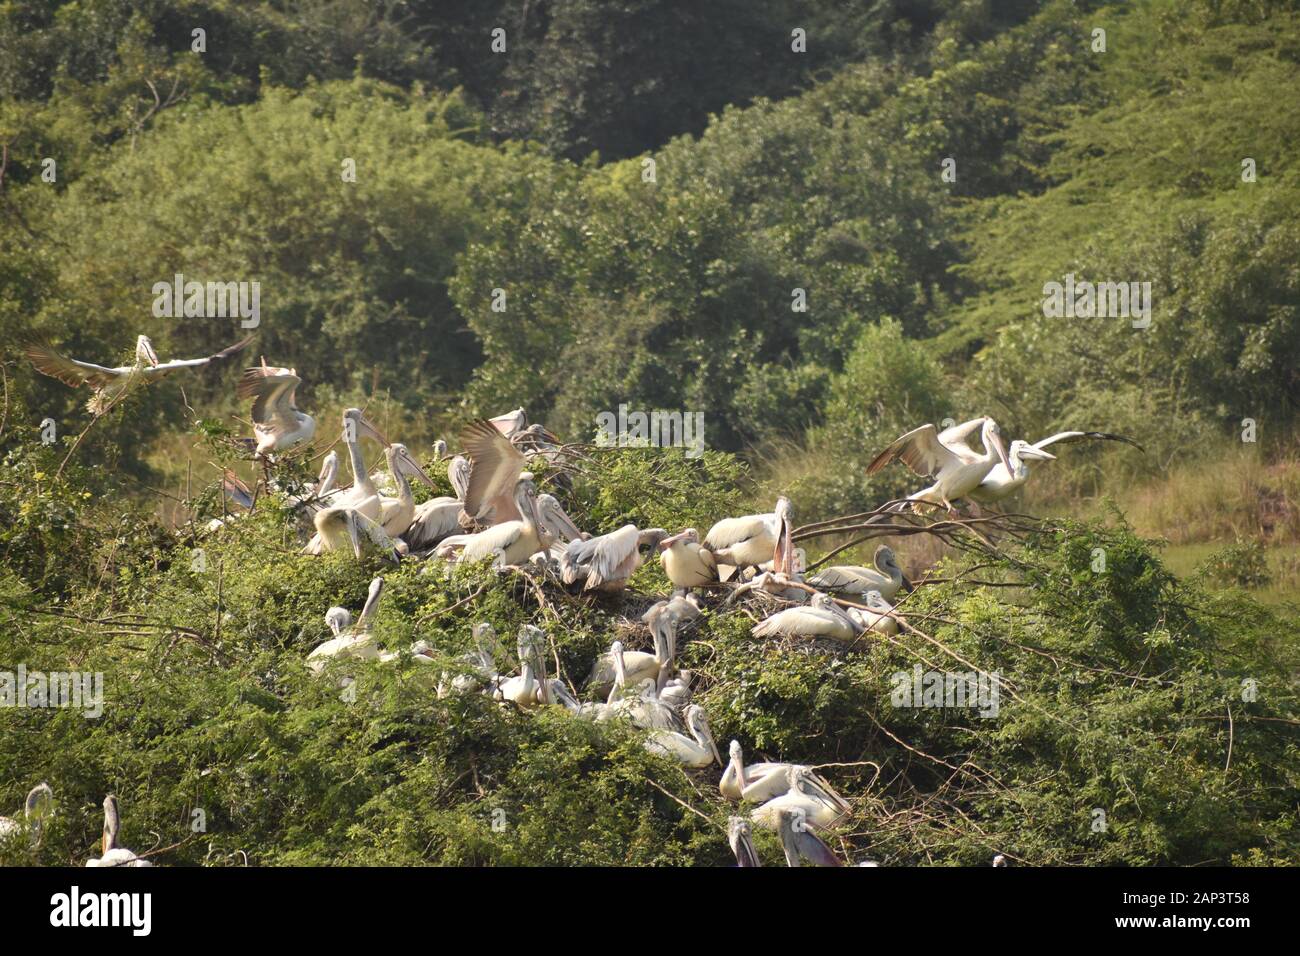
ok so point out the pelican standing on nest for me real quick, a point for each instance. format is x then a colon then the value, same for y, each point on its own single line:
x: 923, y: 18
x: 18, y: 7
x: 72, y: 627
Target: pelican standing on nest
x: 356, y: 641
x: 886, y: 577
x: 955, y: 470
x: 821, y: 617
x: 606, y: 563
x: 698, y: 750
x: 106, y: 383
x: 749, y: 541
x: 114, y: 855
x: 397, y: 513
x: 277, y: 422
x: 687, y: 563
x: 37, y: 806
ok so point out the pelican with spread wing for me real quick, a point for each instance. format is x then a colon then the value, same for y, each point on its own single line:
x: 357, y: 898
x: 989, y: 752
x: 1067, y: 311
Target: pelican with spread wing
x: 277, y: 422
x: 108, y: 384
x: 952, y: 466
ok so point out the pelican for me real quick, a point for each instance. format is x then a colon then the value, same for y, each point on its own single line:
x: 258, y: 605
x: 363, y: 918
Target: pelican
x: 277, y: 422
x: 526, y: 690
x: 880, y: 618
x: 676, y: 693
x: 397, y: 513
x: 698, y: 750
x: 741, y: 838
x: 510, y: 422
x: 1005, y: 479
x: 803, y: 796
x: 886, y: 577
x: 638, y: 664
x: 751, y: 540
x: 515, y: 541
x: 800, y: 843
x: 439, y: 518
x: 37, y: 806
x: 664, y: 618
x: 495, y: 466
x: 114, y: 855
x: 999, y: 860
x: 107, y: 384
x: 606, y: 563
x: 955, y: 470
x: 481, y: 664
x: 760, y: 782
x: 821, y: 617
x: 687, y: 563
x: 350, y: 640
x: 555, y: 518
x: 341, y: 529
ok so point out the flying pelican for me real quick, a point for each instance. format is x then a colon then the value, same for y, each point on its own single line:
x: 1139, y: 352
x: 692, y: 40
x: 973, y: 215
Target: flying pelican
x: 880, y: 618
x: 480, y: 662
x: 114, y: 855
x: 886, y: 577
x: 687, y: 563
x: 741, y: 838
x: 1004, y: 480
x: 760, y: 782
x: 109, y: 383
x: 277, y: 422
x: 698, y: 750
x: 356, y: 641
x: 800, y: 843
x: 821, y: 617
x: 37, y: 806
x: 606, y: 563
x: 803, y: 796
x: 955, y: 470
x: 751, y: 540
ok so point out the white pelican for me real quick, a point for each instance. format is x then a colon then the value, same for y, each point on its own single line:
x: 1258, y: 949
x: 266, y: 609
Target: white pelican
x: 687, y: 563
x: 114, y: 855
x: 664, y: 618
x: 37, y: 806
x: 887, y: 576
x: 342, y: 529
x: 999, y: 860
x: 955, y: 470
x: 879, y: 618
x: 108, y: 383
x: 605, y: 563
x: 397, y: 513
x: 800, y: 843
x: 741, y: 838
x: 821, y: 617
x: 805, y: 797
x: 698, y: 750
x: 749, y: 541
x: 495, y: 466
x: 638, y: 664
x: 277, y: 422
x: 434, y: 521
x: 515, y: 541
x: 556, y: 519
x: 531, y: 687
x: 759, y: 782
x: 480, y: 663
x: 356, y: 641
x: 676, y: 693
x: 1004, y: 480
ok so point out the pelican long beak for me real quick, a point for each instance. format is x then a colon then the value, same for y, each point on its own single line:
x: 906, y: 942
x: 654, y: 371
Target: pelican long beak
x: 413, y: 469
x: 1036, y: 454
x: 1000, y: 447
x: 713, y: 746
x: 144, y: 350
x: 672, y: 539
x: 564, y: 524
x: 367, y: 428
x: 354, y: 532
x: 907, y: 584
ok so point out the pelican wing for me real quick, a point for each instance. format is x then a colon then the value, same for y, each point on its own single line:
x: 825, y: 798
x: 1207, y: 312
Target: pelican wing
x: 961, y: 435
x: 434, y: 520
x: 1071, y: 437
x: 731, y: 531
x: 158, y: 371
x: 611, y: 557
x: 495, y: 466
x: 801, y: 621
x: 841, y: 577
x: 70, y: 371
x: 920, y: 449
x: 272, y: 391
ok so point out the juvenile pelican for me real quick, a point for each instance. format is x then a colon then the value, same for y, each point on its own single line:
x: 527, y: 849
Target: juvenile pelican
x: 480, y: 663
x: 698, y: 750
x: 356, y: 641
x: 108, y: 383
x: 821, y: 617
x: 277, y: 422
x: 955, y: 470
x: 606, y: 563
x: 886, y: 577
x: 114, y: 855
x: 800, y: 843
x: 37, y: 806
x: 880, y: 618
x: 530, y: 688
x: 803, y: 796
x: 741, y: 838
x: 759, y: 782
x: 749, y: 541
x: 687, y: 563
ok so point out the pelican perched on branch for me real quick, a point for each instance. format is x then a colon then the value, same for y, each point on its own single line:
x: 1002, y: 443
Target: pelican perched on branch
x: 698, y: 750
x: 109, y: 383
x: 277, y: 422
x: 821, y: 617
x: 1005, y: 479
x: 804, y: 796
x: 606, y: 563
x: 37, y: 806
x: 350, y: 640
x: 114, y: 855
x: 955, y: 470
x: 750, y: 541
x: 687, y: 563
x: 886, y: 577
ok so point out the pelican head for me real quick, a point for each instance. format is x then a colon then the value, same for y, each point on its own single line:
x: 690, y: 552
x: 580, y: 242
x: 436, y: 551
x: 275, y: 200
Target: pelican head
x: 439, y: 450
x: 485, y: 635
x: 699, y: 725
x: 992, y: 436
x: 999, y: 860
x: 555, y: 518
x: 1022, y: 451
x: 887, y: 563
x: 824, y: 602
x: 402, y: 458
x: 356, y: 426
x: 329, y: 471
x: 111, y: 823
x: 690, y: 535
x: 339, y: 619
x: 620, y: 668
x: 144, y: 353
x: 650, y: 537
